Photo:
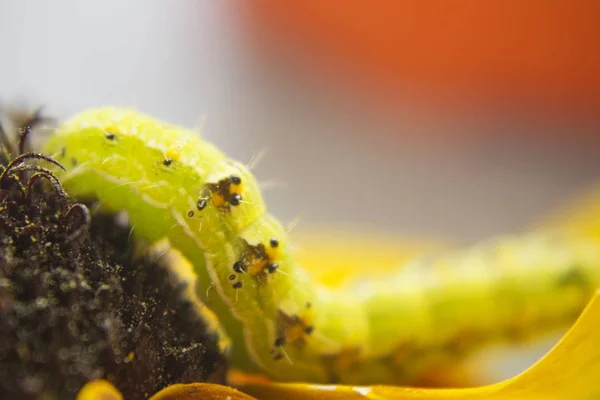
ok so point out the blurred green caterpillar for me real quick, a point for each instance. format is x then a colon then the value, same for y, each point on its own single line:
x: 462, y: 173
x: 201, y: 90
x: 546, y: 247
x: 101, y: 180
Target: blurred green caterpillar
x: 174, y: 184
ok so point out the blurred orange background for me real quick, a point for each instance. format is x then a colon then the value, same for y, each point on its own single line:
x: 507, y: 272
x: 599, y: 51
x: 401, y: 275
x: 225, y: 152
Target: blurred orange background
x: 541, y: 54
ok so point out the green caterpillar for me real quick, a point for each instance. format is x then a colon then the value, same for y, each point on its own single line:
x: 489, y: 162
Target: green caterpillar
x: 174, y: 184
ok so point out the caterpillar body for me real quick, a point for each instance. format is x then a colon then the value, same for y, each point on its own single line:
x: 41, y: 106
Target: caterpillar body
x: 174, y: 184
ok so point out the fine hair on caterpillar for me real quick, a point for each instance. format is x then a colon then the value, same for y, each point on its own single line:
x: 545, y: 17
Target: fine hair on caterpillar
x: 281, y: 321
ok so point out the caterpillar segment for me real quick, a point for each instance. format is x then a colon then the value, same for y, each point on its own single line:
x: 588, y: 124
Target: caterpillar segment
x: 280, y: 321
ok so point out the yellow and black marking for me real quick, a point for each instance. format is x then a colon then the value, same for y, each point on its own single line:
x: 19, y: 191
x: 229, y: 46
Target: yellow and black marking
x: 110, y: 132
x: 258, y: 260
x: 171, y: 155
x: 292, y: 330
x: 225, y: 193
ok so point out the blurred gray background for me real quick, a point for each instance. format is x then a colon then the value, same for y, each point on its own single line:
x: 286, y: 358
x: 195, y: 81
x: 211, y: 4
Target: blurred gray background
x: 329, y: 161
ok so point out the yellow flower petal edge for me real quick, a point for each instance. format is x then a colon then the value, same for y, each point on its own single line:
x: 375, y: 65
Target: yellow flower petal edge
x: 99, y: 390
x: 571, y: 370
x: 200, y: 391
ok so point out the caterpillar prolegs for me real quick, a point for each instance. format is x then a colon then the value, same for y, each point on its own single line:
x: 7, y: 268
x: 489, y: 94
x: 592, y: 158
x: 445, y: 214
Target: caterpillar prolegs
x: 174, y: 184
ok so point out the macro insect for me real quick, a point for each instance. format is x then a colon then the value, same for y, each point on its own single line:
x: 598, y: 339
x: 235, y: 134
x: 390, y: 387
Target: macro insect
x: 280, y: 320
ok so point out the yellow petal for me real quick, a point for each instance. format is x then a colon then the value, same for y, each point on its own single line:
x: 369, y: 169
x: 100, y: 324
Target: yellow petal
x: 571, y: 370
x: 334, y: 257
x: 200, y: 391
x: 579, y: 216
x: 99, y: 390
